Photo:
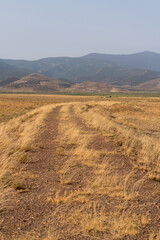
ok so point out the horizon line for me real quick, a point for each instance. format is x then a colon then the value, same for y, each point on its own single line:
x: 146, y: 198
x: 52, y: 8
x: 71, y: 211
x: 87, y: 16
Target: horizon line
x: 102, y: 53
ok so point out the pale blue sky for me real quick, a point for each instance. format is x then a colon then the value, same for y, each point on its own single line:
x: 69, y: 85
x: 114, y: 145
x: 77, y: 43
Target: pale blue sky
x: 32, y: 29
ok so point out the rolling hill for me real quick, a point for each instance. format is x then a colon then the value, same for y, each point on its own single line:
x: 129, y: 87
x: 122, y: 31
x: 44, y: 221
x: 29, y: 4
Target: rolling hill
x: 153, y: 85
x: 35, y: 83
x: 92, y: 87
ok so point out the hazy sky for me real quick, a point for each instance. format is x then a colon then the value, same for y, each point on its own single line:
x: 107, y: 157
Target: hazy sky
x: 32, y: 29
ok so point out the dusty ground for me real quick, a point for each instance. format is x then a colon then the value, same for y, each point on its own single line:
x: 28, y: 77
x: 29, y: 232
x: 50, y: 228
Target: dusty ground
x: 80, y: 185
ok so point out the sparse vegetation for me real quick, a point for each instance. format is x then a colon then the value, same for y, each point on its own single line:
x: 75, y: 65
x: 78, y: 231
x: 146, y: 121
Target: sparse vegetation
x: 138, y: 136
x: 106, y: 156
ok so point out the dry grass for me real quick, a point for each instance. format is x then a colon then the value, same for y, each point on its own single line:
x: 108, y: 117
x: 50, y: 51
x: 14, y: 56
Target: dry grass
x: 154, y: 236
x: 72, y: 135
x: 17, y: 134
x: 106, y: 180
x: 90, y: 218
x: 124, y: 224
x: 103, y: 203
x: 15, y: 141
x: 50, y: 236
x: 77, y: 196
x: 110, y: 120
x: 14, y: 105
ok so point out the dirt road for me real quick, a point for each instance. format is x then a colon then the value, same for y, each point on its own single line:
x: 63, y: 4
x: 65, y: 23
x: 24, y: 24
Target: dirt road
x: 80, y: 185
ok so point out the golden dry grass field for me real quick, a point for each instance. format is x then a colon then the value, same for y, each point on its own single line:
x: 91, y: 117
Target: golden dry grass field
x: 77, y: 167
x: 14, y: 105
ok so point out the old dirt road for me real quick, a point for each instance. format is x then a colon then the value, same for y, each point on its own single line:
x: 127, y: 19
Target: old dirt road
x: 80, y: 185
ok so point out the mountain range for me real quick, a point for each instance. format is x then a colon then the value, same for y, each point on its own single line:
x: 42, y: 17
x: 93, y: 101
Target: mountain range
x: 132, y: 71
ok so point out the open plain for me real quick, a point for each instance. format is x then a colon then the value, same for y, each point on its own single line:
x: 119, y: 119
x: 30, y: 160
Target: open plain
x: 76, y: 167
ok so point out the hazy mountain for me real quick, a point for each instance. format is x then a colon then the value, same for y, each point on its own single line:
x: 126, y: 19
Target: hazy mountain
x: 146, y: 60
x: 107, y: 73
x: 120, y: 70
x: 7, y: 70
x: 35, y: 83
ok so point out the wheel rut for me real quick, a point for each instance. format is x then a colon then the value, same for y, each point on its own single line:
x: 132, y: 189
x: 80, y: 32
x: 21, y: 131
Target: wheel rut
x: 80, y: 196
x: 30, y: 210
